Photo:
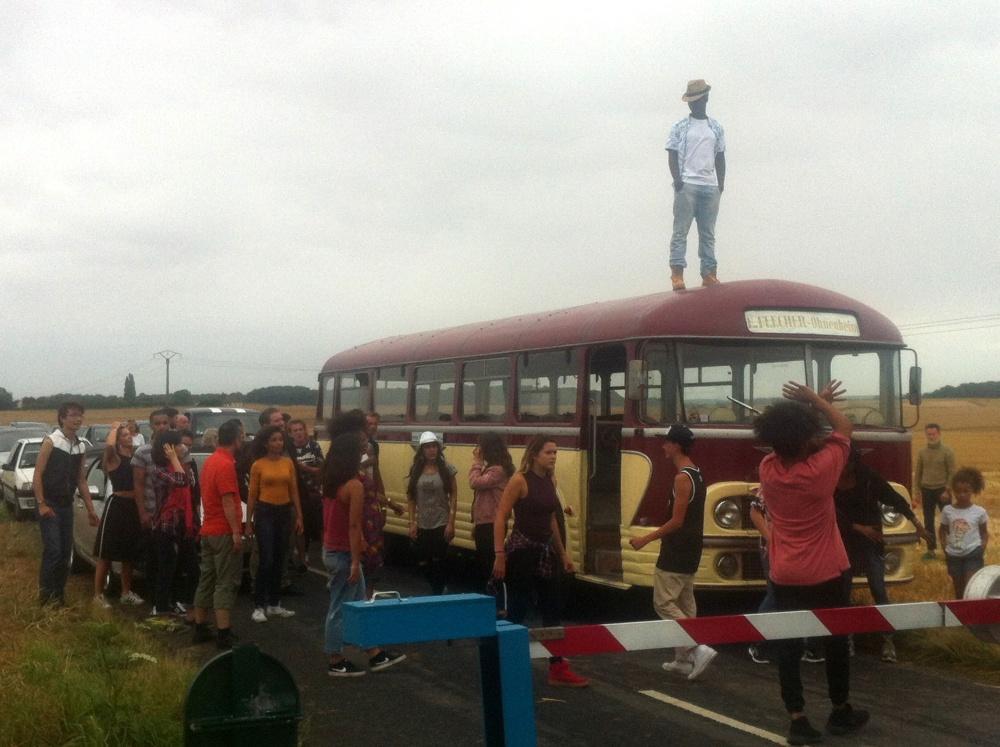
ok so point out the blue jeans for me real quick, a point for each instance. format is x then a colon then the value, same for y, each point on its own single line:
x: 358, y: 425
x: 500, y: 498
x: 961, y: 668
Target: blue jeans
x: 57, y: 544
x: 700, y: 203
x: 272, y: 525
x: 338, y: 564
x: 874, y: 566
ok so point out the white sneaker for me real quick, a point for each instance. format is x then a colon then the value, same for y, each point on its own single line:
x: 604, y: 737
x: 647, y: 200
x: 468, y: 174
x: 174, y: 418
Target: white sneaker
x: 681, y: 666
x: 279, y: 611
x: 131, y: 598
x: 101, y: 602
x: 701, y: 658
x: 258, y: 615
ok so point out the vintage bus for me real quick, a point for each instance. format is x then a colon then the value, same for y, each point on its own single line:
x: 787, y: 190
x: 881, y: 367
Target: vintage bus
x: 603, y: 379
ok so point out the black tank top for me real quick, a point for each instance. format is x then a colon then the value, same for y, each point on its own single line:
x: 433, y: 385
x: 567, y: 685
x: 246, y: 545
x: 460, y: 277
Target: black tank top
x: 122, y: 475
x: 680, y: 551
x: 533, y: 512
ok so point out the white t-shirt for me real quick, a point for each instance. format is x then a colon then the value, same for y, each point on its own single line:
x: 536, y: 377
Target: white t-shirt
x: 963, y: 529
x: 699, y: 160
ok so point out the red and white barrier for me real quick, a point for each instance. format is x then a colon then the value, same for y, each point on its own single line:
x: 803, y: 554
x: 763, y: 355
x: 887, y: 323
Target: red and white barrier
x: 583, y: 640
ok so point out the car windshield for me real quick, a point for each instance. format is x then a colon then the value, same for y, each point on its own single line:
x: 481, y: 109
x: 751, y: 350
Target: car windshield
x: 202, y: 420
x: 99, y: 433
x: 10, y: 437
x: 29, y: 456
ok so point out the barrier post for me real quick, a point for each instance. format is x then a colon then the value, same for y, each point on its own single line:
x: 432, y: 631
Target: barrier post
x: 504, y: 660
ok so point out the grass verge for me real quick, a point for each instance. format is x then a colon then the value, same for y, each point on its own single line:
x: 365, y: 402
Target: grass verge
x: 76, y: 675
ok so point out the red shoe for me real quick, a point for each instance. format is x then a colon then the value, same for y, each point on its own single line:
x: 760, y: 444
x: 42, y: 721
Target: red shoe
x: 560, y: 675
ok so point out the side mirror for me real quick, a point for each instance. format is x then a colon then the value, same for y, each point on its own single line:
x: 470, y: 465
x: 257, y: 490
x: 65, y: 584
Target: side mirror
x: 916, y: 394
x: 7, y: 467
x: 635, y: 381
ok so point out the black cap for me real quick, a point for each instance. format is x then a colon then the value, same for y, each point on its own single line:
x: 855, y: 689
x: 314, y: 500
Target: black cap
x: 679, y: 434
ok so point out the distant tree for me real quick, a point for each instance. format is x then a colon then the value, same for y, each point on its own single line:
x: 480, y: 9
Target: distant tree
x: 283, y: 395
x: 213, y: 400
x: 984, y: 389
x: 130, y: 389
x: 6, y: 399
x: 182, y: 398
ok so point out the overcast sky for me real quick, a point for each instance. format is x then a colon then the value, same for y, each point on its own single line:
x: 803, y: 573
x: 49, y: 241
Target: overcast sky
x: 257, y: 188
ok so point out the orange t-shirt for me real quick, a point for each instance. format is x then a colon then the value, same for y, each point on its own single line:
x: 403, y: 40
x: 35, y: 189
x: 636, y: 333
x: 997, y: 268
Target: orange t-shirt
x: 274, y: 481
x: 218, y: 477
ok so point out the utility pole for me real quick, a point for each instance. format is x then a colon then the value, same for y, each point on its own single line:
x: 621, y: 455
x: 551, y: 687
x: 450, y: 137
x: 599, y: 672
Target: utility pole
x: 167, y: 355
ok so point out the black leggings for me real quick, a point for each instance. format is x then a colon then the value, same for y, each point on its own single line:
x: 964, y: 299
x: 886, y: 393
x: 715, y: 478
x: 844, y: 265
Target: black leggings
x: 525, y: 585
x: 483, y: 534
x: 832, y: 593
x: 432, y: 552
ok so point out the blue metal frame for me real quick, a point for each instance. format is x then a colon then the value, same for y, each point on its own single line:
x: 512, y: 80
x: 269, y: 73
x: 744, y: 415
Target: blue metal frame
x: 504, y: 661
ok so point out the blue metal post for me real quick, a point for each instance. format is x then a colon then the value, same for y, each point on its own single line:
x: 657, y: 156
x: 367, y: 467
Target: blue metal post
x: 515, y: 685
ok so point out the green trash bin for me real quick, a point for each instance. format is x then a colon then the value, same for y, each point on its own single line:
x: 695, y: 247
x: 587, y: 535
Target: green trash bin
x: 242, y: 697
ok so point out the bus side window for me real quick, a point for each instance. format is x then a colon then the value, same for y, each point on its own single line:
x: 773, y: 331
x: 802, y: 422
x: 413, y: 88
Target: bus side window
x: 434, y: 392
x: 485, y: 385
x: 546, y: 386
x: 353, y: 392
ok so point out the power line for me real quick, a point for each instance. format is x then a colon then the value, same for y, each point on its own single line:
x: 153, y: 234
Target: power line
x: 959, y: 329
x: 212, y: 363
x: 947, y: 322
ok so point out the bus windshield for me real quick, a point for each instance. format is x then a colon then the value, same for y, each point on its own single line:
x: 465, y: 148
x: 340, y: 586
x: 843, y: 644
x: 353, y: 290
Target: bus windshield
x: 706, y: 375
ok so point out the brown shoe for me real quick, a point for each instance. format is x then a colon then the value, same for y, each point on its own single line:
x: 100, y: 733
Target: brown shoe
x: 677, y: 278
x: 709, y: 279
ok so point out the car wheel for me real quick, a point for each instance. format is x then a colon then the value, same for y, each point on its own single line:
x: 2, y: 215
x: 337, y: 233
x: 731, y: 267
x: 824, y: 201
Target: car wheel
x: 76, y: 562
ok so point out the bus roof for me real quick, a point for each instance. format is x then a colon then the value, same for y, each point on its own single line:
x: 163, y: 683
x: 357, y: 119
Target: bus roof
x: 716, y: 312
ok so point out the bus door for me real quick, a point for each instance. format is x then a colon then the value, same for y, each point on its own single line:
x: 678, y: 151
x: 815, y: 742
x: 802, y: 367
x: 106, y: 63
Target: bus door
x: 606, y: 408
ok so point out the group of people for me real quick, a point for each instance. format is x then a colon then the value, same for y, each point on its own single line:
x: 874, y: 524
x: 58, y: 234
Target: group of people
x: 529, y: 562
x: 819, y: 512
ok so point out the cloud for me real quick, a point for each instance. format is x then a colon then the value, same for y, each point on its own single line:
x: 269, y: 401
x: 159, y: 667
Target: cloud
x: 279, y: 182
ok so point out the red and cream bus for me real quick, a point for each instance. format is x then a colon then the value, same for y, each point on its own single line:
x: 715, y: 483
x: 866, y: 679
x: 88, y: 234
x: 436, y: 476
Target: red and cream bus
x: 603, y: 379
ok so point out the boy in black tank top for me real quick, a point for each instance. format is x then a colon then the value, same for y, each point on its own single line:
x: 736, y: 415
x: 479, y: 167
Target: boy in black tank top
x: 680, y: 549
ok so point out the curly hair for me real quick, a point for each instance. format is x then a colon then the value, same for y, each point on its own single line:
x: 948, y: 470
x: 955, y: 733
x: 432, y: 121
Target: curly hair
x: 258, y: 448
x: 969, y: 476
x: 787, y: 427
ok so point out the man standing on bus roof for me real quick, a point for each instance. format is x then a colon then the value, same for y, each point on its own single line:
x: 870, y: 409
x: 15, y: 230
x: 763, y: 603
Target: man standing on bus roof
x: 680, y: 549
x: 697, y: 148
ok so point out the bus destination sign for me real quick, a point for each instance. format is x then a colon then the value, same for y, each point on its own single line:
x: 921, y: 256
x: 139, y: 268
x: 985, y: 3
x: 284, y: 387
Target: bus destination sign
x: 794, y: 322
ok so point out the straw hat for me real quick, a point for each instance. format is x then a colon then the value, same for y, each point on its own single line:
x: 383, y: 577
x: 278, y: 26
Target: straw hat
x: 695, y: 90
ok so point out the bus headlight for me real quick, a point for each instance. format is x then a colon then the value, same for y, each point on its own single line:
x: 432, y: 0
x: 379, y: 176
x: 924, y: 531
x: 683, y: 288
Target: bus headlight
x: 891, y: 518
x: 727, y: 514
x: 727, y: 565
x: 893, y: 560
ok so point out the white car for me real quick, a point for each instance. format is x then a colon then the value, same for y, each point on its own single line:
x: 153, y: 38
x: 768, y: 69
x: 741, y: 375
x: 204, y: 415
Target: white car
x: 16, y: 476
x: 10, y: 435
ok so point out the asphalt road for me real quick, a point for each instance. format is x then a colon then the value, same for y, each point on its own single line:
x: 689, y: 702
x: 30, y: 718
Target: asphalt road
x: 433, y: 697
